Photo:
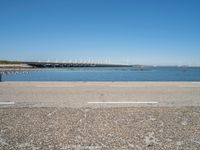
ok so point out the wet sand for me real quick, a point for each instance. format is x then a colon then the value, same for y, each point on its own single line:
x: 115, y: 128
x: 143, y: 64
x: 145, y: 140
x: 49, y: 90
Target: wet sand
x: 57, y: 115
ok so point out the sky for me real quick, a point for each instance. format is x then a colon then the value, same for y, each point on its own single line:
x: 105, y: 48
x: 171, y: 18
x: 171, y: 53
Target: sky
x: 148, y: 32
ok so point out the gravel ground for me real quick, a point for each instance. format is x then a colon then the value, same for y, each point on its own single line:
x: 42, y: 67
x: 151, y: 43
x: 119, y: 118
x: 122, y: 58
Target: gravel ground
x: 100, y: 128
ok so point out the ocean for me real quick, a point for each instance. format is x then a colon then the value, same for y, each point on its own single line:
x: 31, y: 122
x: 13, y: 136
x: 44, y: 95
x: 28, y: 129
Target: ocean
x: 112, y: 74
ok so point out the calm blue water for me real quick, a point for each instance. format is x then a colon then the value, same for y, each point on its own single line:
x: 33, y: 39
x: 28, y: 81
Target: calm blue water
x: 110, y: 74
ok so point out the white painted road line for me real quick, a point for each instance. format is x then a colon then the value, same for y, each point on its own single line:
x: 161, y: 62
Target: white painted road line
x: 7, y: 103
x: 122, y: 102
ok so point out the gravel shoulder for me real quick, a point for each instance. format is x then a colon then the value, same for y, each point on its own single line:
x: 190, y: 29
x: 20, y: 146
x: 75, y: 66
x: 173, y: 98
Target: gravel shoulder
x: 100, y: 128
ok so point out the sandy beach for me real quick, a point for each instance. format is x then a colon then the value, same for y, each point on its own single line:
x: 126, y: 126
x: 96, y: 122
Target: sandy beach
x: 14, y: 66
x: 77, y: 115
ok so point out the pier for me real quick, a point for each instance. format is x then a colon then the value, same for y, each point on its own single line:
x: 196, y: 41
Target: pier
x: 70, y: 64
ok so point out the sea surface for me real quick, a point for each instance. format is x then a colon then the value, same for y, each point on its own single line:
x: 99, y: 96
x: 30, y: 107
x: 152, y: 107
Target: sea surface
x: 109, y: 74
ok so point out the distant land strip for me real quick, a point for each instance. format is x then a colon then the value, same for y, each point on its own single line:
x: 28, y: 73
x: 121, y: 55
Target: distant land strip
x: 42, y: 64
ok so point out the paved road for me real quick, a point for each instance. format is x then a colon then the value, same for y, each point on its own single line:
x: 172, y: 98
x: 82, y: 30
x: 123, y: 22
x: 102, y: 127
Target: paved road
x: 76, y: 95
x: 58, y: 116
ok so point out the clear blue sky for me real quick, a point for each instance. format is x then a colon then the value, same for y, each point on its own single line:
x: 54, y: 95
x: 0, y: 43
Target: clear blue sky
x: 155, y: 32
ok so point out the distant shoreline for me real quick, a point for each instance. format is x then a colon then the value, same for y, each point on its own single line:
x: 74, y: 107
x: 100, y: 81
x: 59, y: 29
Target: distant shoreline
x: 15, y: 66
x: 24, y: 64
